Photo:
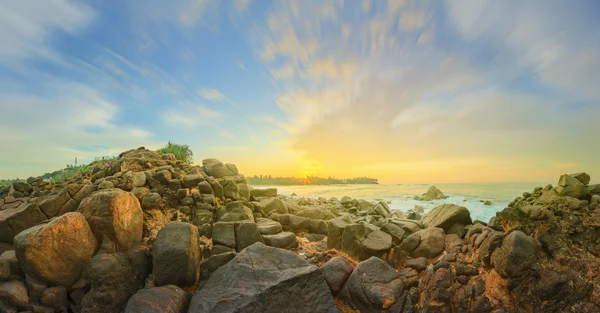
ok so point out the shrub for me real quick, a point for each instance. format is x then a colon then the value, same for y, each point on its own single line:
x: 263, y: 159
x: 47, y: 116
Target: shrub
x: 181, y: 152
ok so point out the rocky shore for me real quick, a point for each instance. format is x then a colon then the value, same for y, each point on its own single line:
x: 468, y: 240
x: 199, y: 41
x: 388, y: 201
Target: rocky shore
x: 148, y: 233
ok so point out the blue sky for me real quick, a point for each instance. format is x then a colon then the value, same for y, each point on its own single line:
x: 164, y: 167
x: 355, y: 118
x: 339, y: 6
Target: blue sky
x: 406, y: 91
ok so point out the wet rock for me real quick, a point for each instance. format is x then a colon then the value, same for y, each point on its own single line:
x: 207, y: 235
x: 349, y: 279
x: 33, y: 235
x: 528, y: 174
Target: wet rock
x: 166, y: 299
x: 115, y: 214
x: 373, y: 286
x: 58, y: 250
x: 254, y: 281
x: 336, y: 272
x: 176, y: 255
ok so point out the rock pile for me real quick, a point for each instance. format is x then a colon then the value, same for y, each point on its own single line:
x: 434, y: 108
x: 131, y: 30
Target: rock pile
x: 148, y: 233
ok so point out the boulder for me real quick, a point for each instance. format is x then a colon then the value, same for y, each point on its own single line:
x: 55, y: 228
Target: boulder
x: 176, y: 255
x: 373, y: 286
x: 431, y: 243
x: 115, y: 214
x: 51, y: 205
x: 382, y: 209
x: 235, y: 211
x: 273, y: 205
x: 192, y: 180
x: 152, y: 201
x: 216, y: 168
x: 315, y: 213
x: 433, y: 193
x: 268, y: 227
x: 14, y: 293
x: 284, y: 240
x: 336, y: 272
x: 205, y: 188
x: 113, y: 279
x: 583, y: 178
x: 165, y: 299
x: 568, y: 186
x: 244, y: 191
x: 246, y: 234
x: 395, y: 231
x: 256, y: 281
x: 516, y: 256
x: 213, y: 263
x: 21, y: 186
x: 140, y: 193
x: 230, y: 190
x: 17, y: 219
x: 57, y: 251
x: 446, y: 215
x: 55, y: 298
x: 263, y: 193
x: 362, y: 242
x: 335, y: 231
x: 217, y: 189
x: 593, y: 189
x: 223, y: 233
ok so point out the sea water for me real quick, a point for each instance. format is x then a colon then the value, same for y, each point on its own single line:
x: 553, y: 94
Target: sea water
x: 401, y: 196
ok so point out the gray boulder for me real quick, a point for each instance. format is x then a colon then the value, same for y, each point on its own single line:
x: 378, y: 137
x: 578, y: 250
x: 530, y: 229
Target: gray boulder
x: 284, y: 240
x: 216, y: 168
x: 268, y: 227
x: 431, y: 243
x: 336, y: 272
x: 264, y: 279
x: 273, y: 205
x: 363, y: 242
x: 176, y: 255
x: 213, y: 263
x: 246, y: 234
x: 235, y: 211
x: 584, y: 178
x: 446, y: 215
x: 569, y: 186
x: 374, y: 286
x: 516, y: 256
x: 165, y: 299
x: 263, y: 193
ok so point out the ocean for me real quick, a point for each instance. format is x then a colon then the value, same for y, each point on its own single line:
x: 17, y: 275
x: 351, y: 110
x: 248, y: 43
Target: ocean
x: 401, y: 196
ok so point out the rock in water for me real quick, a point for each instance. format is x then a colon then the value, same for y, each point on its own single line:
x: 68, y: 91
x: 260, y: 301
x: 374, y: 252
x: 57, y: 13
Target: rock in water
x: 446, y: 215
x: 166, y: 299
x: 176, y: 255
x: 264, y: 279
x: 433, y: 193
x: 58, y: 250
x: 115, y: 214
x: 374, y: 286
x: 516, y: 255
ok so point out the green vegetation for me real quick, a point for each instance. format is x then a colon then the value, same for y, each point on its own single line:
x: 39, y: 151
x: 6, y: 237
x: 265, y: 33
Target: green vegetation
x: 181, y: 152
x: 56, y: 176
x: 310, y: 180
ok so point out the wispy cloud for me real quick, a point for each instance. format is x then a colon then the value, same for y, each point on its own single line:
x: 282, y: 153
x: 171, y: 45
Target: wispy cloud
x: 191, y: 115
x: 211, y: 94
x: 242, y: 5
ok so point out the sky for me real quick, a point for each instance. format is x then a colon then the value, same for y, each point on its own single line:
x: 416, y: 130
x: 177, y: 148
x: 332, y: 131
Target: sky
x: 406, y: 91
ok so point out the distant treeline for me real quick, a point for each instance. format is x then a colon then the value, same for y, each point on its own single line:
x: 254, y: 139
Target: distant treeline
x: 310, y: 180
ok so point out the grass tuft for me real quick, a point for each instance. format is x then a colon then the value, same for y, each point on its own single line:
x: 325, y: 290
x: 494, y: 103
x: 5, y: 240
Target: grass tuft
x: 181, y: 152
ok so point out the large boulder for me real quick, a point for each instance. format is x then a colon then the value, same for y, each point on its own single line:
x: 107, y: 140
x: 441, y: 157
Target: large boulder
x: 165, y: 299
x: 15, y: 220
x: 115, y: 214
x: 516, y: 256
x: 263, y: 193
x: 447, y: 215
x: 569, y: 186
x: 58, y: 250
x: 335, y: 231
x: 373, y: 286
x: 336, y: 272
x: 114, y: 278
x: 234, y: 212
x: 273, y: 205
x: 264, y: 279
x: 268, y: 227
x: 433, y: 193
x: 176, y: 255
x: 362, y: 242
x: 217, y: 169
x: 431, y: 244
x: 584, y: 178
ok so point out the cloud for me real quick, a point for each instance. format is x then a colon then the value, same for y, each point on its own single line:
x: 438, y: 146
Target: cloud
x: 242, y: 5
x: 26, y: 30
x: 194, y: 12
x: 191, y: 115
x: 211, y: 94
